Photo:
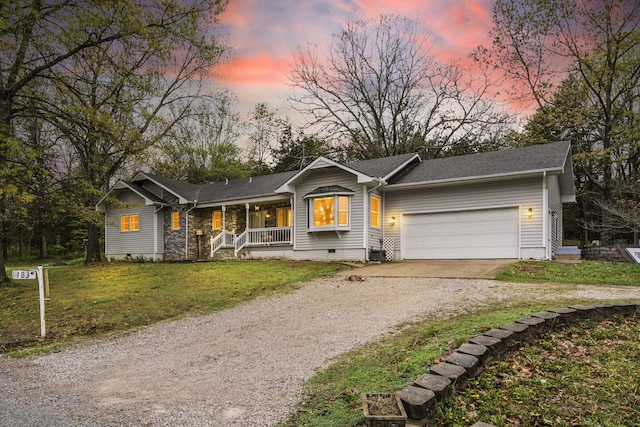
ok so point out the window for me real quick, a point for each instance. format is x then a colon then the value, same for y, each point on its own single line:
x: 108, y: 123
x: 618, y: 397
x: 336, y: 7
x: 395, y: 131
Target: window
x: 175, y: 220
x: 217, y: 220
x: 375, y: 211
x: 134, y: 224
x: 129, y: 223
x: 284, y: 217
x: 324, y: 210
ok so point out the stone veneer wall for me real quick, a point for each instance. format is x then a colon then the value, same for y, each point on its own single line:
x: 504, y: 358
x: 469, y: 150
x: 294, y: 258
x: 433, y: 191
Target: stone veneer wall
x: 173, y: 239
x: 467, y: 361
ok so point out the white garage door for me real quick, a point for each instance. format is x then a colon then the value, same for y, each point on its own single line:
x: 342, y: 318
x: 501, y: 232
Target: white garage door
x: 487, y: 233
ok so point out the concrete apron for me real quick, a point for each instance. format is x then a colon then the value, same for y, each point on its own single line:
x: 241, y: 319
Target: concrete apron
x: 447, y: 269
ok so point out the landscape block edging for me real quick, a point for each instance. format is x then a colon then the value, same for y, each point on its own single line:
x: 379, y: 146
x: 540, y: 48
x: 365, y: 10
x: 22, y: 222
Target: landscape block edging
x: 467, y: 362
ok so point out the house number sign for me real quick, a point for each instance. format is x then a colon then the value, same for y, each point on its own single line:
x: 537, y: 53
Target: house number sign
x: 24, y: 274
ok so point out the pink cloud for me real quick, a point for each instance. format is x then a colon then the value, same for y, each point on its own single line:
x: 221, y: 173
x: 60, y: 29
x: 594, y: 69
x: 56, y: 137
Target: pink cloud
x: 255, y: 70
x: 264, y: 35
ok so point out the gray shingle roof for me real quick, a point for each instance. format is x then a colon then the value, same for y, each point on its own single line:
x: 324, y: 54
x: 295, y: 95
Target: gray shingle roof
x: 543, y: 157
x: 380, y: 168
x: 243, y: 188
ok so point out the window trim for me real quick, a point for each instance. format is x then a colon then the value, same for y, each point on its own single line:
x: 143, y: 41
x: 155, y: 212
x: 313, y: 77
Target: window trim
x: 378, y: 216
x: 126, y: 225
x: 336, y: 216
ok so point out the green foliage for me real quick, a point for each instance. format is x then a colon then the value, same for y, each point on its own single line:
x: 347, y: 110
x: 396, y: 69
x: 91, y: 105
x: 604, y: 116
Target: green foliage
x: 89, y: 83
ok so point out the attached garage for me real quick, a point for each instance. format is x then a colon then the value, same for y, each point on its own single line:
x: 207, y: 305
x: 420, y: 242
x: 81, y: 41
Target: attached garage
x: 481, y: 233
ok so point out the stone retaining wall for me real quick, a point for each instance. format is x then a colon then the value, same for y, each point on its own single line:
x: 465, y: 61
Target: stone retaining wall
x: 603, y: 253
x: 467, y: 361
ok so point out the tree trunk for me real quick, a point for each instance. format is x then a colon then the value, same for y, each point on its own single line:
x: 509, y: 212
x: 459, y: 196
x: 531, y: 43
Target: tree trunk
x: 3, y: 272
x: 43, y: 244
x: 93, y: 243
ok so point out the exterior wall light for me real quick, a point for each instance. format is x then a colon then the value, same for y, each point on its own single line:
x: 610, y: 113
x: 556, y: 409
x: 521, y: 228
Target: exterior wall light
x: 530, y: 213
x: 393, y: 220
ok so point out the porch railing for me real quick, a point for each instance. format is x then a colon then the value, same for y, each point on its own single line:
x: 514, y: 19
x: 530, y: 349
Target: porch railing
x: 263, y: 237
x: 223, y: 240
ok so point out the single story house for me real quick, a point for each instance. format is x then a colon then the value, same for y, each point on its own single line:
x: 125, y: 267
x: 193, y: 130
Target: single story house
x: 504, y: 204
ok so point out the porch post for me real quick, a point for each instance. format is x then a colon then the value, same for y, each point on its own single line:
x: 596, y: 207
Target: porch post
x: 224, y: 218
x: 246, y: 211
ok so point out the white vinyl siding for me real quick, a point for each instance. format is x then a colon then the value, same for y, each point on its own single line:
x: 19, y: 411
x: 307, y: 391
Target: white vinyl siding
x: 523, y: 193
x: 307, y: 239
x: 555, y: 209
x: 136, y: 243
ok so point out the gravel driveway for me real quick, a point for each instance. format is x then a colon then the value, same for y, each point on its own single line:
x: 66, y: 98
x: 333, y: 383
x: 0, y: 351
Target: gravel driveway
x: 243, y: 366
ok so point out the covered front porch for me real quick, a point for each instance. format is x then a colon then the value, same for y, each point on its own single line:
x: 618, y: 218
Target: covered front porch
x: 261, y: 223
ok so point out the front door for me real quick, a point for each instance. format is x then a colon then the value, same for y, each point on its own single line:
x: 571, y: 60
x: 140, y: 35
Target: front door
x: 256, y: 219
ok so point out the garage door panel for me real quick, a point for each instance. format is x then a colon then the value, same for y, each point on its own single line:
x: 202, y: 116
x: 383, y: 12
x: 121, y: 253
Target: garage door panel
x: 487, y: 233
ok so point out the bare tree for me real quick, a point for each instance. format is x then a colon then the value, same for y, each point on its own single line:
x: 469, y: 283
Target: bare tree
x: 380, y: 90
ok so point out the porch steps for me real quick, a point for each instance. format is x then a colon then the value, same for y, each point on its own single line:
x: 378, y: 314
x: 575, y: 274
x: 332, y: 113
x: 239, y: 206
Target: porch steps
x: 224, y: 254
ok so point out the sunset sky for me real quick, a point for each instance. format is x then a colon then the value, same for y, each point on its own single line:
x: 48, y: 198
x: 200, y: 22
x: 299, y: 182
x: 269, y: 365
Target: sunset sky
x: 264, y: 35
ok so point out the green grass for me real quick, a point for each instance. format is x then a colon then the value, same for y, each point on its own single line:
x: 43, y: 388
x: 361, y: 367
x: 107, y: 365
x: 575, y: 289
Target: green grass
x: 586, y: 272
x: 116, y: 297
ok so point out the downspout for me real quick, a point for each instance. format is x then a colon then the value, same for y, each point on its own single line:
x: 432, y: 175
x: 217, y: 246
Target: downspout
x: 292, y: 203
x: 545, y: 217
x: 155, y: 232
x: 186, y: 230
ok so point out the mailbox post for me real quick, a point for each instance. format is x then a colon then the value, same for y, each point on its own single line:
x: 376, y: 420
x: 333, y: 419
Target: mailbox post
x: 39, y: 273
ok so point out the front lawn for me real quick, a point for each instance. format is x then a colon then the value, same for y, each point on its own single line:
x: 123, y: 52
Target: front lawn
x: 586, y: 272
x: 116, y: 297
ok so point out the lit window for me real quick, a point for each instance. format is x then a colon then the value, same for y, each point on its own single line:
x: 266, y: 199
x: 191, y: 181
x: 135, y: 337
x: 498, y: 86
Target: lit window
x: 134, y: 224
x: 217, y: 220
x: 175, y: 220
x: 375, y: 211
x: 129, y: 223
x: 124, y: 223
x: 324, y: 211
x: 343, y: 211
x: 284, y: 217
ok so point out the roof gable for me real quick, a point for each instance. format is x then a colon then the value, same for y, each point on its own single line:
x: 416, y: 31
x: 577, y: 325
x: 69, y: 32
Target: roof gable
x: 184, y: 191
x: 384, y: 167
x: 366, y: 171
x: 149, y: 197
